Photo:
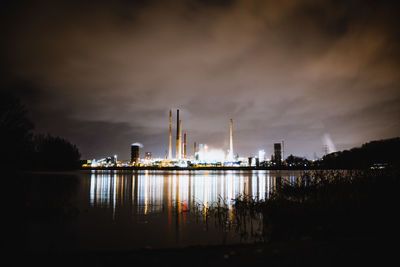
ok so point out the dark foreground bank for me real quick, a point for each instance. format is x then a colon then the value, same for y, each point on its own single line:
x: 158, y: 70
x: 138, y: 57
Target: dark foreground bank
x: 324, y: 219
x: 306, y: 252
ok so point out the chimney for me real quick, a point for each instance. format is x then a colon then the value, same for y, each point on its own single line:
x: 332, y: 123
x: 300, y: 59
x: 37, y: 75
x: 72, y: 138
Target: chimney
x: 180, y: 140
x: 177, y: 134
x: 184, y: 145
x: 231, y: 140
x: 170, y: 135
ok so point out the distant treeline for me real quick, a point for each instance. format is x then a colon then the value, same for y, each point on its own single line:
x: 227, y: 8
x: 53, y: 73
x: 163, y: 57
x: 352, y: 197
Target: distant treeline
x: 382, y: 153
x: 23, y: 149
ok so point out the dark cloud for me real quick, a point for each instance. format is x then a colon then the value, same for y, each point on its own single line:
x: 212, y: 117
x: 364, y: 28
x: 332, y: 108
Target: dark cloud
x: 104, y: 74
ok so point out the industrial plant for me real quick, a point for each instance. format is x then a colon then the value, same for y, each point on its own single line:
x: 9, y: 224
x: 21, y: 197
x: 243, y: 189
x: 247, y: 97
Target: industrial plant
x: 202, y: 156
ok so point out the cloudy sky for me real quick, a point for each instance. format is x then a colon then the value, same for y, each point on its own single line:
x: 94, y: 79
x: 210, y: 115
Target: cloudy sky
x: 104, y: 74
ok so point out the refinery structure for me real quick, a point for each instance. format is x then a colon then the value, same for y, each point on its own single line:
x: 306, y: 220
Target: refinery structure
x: 202, y: 156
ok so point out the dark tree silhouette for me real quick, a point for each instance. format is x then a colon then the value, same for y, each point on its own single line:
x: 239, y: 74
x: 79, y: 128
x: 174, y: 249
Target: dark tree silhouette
x: 21, y: 149
x: 55, y: 153
x: 15, y: 132
x: 384, y: 152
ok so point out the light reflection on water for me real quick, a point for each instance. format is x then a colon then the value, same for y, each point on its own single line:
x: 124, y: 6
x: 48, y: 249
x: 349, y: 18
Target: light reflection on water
x: 129, y: 210
x: 154, y: 191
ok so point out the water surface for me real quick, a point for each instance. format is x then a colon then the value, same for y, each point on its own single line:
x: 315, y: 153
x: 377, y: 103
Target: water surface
x: 124, y: 210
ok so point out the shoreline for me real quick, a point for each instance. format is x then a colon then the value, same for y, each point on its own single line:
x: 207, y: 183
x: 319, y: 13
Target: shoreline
x: 202, y: 168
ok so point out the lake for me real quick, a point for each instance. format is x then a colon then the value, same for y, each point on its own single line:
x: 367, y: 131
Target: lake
x: 126, y: 210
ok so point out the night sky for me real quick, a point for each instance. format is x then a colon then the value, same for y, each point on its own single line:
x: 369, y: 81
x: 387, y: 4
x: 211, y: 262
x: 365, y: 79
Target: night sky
x: 104, y: 74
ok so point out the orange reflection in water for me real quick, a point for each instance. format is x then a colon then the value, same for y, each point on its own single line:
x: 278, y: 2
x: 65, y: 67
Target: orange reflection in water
x: 177, y: 192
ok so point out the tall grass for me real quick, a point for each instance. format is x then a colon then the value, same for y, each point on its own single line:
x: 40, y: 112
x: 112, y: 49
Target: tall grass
x: 319, y: 204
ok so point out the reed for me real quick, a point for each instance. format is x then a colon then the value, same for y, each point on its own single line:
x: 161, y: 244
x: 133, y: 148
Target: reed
x: 319, y: 204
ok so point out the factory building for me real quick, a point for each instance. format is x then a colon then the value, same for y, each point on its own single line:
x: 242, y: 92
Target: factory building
x: 148, y: 156
x: 277, y: 153
x: 200, y: 150
x: 135, y: 147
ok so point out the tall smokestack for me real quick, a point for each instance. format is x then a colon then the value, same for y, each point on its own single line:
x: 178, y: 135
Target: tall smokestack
x: 184, y: 145
x: 195, y: 148
x: 180, y: 140
x: 177, y: 134
x: 231, y: 140
x: 170, y: 135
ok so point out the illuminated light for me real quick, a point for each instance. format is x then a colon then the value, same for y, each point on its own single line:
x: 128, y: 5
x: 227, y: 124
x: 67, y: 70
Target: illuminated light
x: 209, y: 156
x: 261, y: 155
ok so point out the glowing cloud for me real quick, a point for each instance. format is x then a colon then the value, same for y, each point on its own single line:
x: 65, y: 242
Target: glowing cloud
x: 327, y: 140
